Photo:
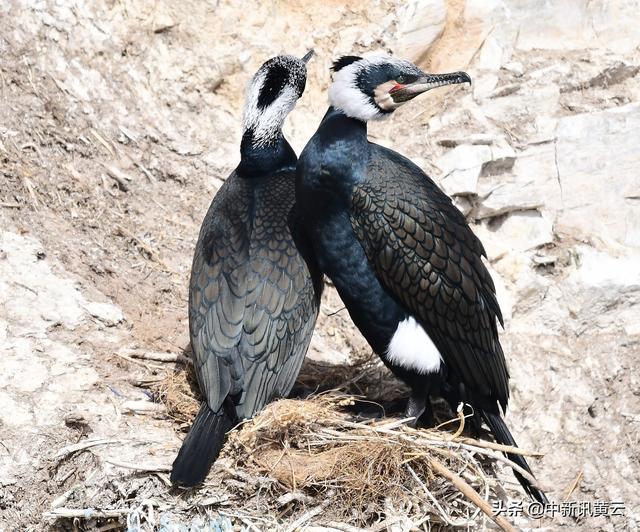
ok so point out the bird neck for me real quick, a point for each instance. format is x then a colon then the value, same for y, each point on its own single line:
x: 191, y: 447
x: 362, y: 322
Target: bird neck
x: 258, y: 159
x: 339, y: 119
x: 352, y: 132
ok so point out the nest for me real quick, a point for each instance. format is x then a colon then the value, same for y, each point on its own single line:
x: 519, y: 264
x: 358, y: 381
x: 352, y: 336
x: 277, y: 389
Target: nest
x: 363, y: 473
x: 178, y: 391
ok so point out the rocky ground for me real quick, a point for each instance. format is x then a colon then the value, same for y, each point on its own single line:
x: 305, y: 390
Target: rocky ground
x: 118, y: 122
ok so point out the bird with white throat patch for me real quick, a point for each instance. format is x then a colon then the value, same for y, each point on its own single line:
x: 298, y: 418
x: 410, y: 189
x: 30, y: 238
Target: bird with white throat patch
x: 402, y: 257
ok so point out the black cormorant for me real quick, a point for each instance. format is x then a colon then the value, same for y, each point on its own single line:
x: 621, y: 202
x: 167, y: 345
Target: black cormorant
x: 254, y: 293
x: 401, y: 255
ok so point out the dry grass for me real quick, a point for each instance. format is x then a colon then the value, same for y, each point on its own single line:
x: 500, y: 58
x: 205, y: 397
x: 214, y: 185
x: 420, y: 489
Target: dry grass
x: 363, y: 473
x: 178, y: 391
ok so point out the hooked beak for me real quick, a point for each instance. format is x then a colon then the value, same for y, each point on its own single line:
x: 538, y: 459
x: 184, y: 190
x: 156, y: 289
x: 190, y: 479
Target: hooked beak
x: 307, y: 56
x: 404, y: 93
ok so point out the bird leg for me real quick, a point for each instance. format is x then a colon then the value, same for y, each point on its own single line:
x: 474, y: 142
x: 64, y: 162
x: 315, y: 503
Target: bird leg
x: 416, y: 406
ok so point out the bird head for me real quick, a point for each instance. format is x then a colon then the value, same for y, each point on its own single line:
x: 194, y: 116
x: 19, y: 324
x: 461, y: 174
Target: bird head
x: 371, y: 88
x: 272, y: 94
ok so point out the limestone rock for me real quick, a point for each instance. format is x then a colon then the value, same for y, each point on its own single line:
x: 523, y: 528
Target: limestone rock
x: 461, y: 168
x: 597, y: 153
x: 420, y: 23
x: 526, y: 230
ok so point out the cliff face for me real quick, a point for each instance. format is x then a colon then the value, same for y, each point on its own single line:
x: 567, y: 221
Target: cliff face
x: 119, y: 121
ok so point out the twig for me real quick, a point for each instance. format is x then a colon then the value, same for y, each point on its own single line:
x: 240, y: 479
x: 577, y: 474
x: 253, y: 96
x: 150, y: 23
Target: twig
x: 461, y: 417
x: 447, y: 519
x: 136, y: 467
x: 146, y: 172
x: 145, y: 382
x: 85, y: 513
x: 102, y: 141
x: 28, y: 185
x: 138, y: 407
x: 69, y: 449
x: 382, y: 525
x: 161, y: 357
x: 471, y: 494
x: 307, y: 516
x: 138, y: 362
x: 295, y: 496
x: 505, y: 460
x: 128, y: 134
x: 501, y: 447
x: 572, y: 487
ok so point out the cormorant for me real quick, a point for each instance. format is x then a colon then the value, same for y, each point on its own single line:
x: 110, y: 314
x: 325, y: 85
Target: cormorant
x: 254, y: 292
x: 401, y: 255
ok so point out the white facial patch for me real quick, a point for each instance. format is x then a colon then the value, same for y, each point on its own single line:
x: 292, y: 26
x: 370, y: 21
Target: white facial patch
x: 383, y: 98
x: 411, y: 348
x: 266, y: 122
x: 345, y: 95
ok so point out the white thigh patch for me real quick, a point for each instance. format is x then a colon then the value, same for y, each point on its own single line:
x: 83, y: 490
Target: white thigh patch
x: 412, y: 348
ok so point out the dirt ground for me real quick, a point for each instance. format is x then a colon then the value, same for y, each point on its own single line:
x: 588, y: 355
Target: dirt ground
x: 118, y: 122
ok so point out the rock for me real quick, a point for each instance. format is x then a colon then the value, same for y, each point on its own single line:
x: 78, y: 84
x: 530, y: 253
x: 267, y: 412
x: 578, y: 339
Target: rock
x: 612, y: 75
x: 31, y: 291
x: 475, y: 138
x: 515, y: 67
x: 504, y: 198
x: 604, y: 290
x: 599, y: 269
x: 535, y: 175
x: 574, y: 25
x: 107, y: 313
x: 596, y: 154
x: 525, y: 230
x: 321, y: 353
x: 420, y: 23
x: 519, y: 232
x: 503, y: 157
x: 484, y: 85
x: 163, y: 22
x: 461, y: 168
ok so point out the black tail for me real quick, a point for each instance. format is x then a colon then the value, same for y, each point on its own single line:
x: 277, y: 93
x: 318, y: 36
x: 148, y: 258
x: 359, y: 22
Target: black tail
x: 502, y: 435
x: 201, y: 447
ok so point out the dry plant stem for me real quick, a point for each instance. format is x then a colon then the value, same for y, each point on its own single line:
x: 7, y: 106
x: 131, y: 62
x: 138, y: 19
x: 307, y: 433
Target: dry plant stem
x: 307, y: 516
x: 572, y: 487
x: 501, y: 447
x: 135, y: 467
x: 344, y: 527
x: 85, y: 513
x: 134, y: 361
x: 84, y: 445
x: 505, y: 460
x: 161, y: 357
x: 460, y: 429
x: 471, y: 494
x: 445, y: 517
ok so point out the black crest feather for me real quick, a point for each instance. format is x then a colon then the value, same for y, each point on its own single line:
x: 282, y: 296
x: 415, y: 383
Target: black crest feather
x: 344, y: 61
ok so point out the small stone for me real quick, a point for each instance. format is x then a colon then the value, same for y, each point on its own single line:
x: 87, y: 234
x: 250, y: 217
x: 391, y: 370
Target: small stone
x: 107, y: 313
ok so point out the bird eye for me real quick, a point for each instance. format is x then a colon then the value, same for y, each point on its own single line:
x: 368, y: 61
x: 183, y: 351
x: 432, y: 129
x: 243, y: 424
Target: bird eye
x: 400, y: 79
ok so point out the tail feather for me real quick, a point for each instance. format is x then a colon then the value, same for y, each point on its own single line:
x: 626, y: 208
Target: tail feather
x: 503, y: 436
x: 201, y: 446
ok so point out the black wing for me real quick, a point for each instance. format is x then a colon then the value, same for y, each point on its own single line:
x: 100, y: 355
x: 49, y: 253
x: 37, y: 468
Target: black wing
x: 427, y: 257
x: 252, y: 304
